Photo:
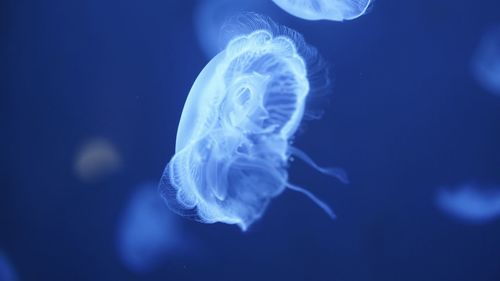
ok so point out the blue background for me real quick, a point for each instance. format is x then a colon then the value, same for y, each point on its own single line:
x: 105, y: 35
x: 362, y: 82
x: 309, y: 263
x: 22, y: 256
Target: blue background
x: 405, y: 117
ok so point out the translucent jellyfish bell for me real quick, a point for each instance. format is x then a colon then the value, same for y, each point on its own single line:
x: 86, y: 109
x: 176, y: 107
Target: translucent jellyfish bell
x: 234, y: 135
x: 334, y: 10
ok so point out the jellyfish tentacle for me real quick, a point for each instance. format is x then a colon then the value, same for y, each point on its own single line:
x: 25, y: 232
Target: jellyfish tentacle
x: 315, y: 199
x: 335, y: 172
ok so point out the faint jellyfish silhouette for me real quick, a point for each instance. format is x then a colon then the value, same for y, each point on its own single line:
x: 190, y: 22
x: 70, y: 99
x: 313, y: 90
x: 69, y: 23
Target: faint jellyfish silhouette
x: 470, y: 203
x: 334, y: 10
x: 7, y: 272
x: 96, y: 159
x: 211, y: 15
x: 234, y: 136
x: 486, y: 61
x: 147, y: 232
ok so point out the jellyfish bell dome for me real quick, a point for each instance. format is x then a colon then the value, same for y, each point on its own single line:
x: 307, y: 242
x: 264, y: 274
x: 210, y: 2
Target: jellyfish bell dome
x: 196, y: 112
x: 211, y: 88
x: 334, y: 10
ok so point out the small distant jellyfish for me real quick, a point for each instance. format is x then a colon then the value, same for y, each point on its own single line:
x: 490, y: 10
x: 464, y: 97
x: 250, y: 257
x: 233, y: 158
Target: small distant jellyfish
x: 470, y: 203
x: 334, y: 10
x: 7, y: 272
x: 96, y: 160
x: 147, y: 232
x: 486, y: 61
x: 234, y: 137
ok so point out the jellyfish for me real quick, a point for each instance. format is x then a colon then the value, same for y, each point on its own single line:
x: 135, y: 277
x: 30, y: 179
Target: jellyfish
x: 147, y: 232
x: 7, y: 272
x: 96, y: 160
x: 334, y: 10
x: 234, y: 138
x: 470, y: 203
x: 486, y: 61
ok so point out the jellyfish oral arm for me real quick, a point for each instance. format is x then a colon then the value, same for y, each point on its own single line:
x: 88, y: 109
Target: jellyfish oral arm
x: 315, y: 199
x: 335, y: 172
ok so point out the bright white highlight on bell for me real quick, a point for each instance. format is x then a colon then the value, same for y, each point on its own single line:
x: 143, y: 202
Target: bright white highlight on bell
x: 486, y: 61
x: 470, y: 203
x: 233, y: 140
x: 334, y: 10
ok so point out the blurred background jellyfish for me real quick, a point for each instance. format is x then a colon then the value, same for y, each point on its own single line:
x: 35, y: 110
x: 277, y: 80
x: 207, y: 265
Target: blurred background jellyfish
x: 147, y: 233
x: 211, y: 15
x: 334, y: 10
x: 486, y: 60
x: 470, y: 203
x: 234, y: 136
x: 7, y: 272
x: 96, y: 159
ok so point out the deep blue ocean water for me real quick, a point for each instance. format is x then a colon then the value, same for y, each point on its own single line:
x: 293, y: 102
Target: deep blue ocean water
x: 405, y: 118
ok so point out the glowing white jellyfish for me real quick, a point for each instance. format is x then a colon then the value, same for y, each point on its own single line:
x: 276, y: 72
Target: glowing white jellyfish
x: 470, y: 203
x: 233, y: 140
x: 486, y: 61
x: 147, y: 232
x: 335, y: 10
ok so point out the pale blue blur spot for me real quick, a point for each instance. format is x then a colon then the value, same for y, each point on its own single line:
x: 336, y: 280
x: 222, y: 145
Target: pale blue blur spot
x: 7, y: 272
x: 334, y: 10
x: 147, y: 233
x: 486, y: 61
x: 470, y: 203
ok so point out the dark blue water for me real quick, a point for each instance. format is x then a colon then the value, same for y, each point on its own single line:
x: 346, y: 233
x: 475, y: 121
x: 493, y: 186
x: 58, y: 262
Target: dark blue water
x: 406, y: 117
